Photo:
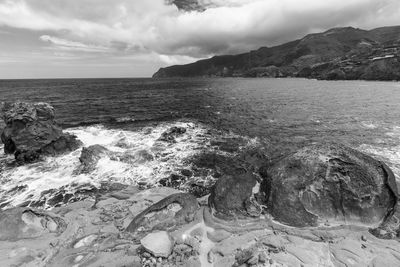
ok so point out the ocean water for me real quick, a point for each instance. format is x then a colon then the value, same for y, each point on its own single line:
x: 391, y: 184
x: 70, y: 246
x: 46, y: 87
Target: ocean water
x: 128, y: 116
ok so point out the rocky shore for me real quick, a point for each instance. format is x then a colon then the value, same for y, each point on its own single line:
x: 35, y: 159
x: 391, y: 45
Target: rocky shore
x: 322, y: 205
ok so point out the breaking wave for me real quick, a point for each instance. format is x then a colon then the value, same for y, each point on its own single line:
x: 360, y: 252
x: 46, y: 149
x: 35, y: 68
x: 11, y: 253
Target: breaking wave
x: 20, y: 184
x: 143, y: 160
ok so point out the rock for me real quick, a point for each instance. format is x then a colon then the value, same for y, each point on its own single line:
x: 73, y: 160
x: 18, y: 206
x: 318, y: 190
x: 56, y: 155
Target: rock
x: 168, y: 213
x: 22, y: 223
x: 31, y: 132
x: 232, y: 195
x: 329, y: 183
x: 218, y: 235
x: 91, y: 155
x: 262, y: 257
x: 171, y: 134
x: 244, y: 256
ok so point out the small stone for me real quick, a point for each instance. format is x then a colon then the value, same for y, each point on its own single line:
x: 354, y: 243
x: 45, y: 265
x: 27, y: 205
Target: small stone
x: 146, y: 255
x: 363, y: 238
x: 262, y: 257
x: 158, y: 244
x: 210, y: 257
x: 253, y: 260
x: 86, y: 241
x: 218, y: 235
x: 271, y: 261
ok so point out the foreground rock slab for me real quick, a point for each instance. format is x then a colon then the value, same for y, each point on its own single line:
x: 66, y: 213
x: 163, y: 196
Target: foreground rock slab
x: 94, y: 234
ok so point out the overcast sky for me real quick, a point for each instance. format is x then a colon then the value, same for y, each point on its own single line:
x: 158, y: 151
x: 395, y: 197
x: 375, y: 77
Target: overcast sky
x: 133, y: 38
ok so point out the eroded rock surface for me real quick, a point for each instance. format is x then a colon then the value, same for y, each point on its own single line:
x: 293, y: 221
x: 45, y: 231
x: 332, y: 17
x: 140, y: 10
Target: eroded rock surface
x: 31, y: 131
x: 329, y: 184
x: 84, y: 234
x: 232, y: 196
x: 169, y: 213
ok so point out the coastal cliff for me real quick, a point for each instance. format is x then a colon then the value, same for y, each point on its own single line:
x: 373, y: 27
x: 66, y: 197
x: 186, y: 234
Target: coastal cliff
x: 337, y: 54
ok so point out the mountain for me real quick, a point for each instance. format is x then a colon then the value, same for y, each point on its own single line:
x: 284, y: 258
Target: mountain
x: 339, y: 53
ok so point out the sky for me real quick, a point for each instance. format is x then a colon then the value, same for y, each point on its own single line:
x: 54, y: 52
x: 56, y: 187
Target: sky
x: 134, y: 38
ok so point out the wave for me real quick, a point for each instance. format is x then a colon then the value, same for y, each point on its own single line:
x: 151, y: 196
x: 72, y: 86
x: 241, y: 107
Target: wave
x: 22, y: 184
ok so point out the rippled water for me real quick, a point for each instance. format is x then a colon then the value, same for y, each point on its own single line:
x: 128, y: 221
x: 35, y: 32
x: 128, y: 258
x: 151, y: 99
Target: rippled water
x: 285, y: 113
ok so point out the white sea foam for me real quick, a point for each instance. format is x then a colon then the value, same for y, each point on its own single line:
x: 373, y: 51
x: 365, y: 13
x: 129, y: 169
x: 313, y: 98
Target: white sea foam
x: 56, y: 172
x: 389, y: 154
x: 369, y: 125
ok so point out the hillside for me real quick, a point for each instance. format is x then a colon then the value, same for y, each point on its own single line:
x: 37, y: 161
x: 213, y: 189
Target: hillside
x: 339, y: 53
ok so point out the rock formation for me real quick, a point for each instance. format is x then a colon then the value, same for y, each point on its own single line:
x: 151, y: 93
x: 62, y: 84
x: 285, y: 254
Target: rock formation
x: 329, y: 184
x: 171, y: 212
x: 31, y: 131
x: 172, y: 133
x: 233, y: 196
x: 91, y: 155
x: 85, y: 235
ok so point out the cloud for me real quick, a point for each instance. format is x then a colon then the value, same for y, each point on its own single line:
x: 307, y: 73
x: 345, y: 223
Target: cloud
x: 134, y: 27
x: 72, y: 45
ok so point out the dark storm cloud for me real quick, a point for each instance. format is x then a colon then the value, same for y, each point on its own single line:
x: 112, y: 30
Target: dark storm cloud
x: 153, y: 33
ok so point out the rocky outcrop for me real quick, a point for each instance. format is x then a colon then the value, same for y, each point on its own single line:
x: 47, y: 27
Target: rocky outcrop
x: 31, y: 132
x: 329, y: 184
x: 171, y: 134
x: 173, y: 211
x: 91, y: 155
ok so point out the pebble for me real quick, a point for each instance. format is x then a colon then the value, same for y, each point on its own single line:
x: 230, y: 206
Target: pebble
x: 253, y: 260
x: 262, y: 257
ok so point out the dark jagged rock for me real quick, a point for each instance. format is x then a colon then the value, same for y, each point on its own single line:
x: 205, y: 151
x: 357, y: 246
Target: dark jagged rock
x: 171, y: 134
x: 170, y: 212
x: 91, y: 155
x: 31, y: 132
x: 232, y: 196
x: 329, y: 183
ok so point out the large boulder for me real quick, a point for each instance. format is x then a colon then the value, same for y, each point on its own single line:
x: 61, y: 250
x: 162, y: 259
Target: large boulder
x: 329, y: 183
x: 31, y: 131
x: 233, y: 196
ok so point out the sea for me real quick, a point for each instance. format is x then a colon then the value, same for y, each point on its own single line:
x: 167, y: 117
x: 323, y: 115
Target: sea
x: 128, y: 116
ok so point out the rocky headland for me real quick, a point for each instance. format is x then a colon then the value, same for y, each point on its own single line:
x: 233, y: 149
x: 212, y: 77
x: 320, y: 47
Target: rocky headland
x: 337, y: 54
x: 321, y: 205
